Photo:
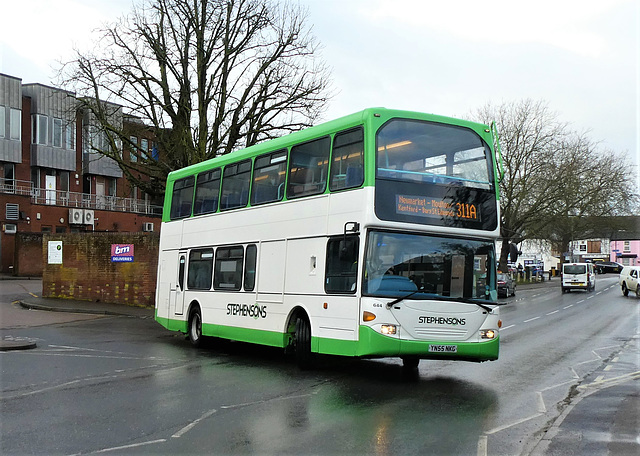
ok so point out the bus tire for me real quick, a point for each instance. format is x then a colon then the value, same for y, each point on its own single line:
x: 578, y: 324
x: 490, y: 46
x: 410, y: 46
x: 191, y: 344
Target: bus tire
x: 410, y: 363
x: 303, y: 343
x: 195, y: 327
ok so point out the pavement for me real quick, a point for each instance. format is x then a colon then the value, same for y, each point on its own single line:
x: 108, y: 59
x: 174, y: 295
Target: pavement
x: 608, y: 400
x: 70, y: 306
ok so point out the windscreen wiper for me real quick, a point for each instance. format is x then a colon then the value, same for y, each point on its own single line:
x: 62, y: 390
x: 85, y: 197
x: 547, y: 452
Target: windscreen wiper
x: 473, y: 301
x: 402, y: 298
x: 440, y: 298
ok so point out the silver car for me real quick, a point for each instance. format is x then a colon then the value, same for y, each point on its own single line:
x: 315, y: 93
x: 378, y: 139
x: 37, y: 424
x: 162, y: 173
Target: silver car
x: 506, y: 285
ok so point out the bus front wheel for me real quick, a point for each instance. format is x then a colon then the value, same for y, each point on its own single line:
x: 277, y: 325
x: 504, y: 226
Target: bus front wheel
x: 410, y: 362
x: 303, y: 342
x: 195, y: 327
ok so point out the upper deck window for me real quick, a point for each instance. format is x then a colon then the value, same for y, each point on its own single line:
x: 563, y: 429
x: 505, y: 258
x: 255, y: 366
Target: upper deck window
x: 347, y: 169
x: 182, y: 198
x: 207, y: 192
x: 308, y: 167
x: 269, y: 172
x: 236, y: 180
x: 417, y: 151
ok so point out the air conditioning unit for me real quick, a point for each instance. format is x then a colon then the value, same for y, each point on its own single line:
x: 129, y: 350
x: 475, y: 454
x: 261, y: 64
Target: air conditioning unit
x: 10, y: 228
x: 88, y: 216
x: 147, y: 226
x: 76, y: 216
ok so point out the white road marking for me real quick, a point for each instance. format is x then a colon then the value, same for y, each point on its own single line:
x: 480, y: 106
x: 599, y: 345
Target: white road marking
x: 134, y: 445
x: 191, y: 425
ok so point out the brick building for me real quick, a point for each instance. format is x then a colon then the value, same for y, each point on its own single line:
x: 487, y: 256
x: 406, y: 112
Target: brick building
x: 52, y: 181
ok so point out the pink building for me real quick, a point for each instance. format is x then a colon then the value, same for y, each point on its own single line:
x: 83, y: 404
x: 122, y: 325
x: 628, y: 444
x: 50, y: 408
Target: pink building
x: 625, y: 248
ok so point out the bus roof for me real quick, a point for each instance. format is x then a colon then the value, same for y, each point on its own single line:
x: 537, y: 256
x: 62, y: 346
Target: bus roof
x: 301, y: 136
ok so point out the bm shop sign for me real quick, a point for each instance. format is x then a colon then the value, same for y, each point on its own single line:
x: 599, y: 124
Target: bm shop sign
x: 122, y: 253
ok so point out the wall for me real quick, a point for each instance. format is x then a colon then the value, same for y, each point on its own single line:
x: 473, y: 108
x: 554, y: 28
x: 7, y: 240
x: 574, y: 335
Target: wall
x: 88, y: 273
x: 28, y: 254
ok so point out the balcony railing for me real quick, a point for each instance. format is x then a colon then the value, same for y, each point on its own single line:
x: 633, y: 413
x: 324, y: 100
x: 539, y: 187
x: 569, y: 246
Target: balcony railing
x: 74, y: 199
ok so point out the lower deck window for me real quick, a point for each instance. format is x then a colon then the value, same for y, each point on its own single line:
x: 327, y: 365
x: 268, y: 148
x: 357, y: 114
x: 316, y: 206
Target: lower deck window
x: 228, y: 268
x: 200, y: 266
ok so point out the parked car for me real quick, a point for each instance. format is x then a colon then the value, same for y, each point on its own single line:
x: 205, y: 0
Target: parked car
x: 602, y: 267
x: 506, y: 285
x: 629, y: 280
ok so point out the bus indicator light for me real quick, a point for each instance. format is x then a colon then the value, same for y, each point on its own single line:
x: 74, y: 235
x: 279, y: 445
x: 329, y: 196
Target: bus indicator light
x: 368, y: 316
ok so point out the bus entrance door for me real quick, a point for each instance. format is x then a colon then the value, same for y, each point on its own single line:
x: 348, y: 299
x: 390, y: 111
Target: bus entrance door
x: 177, y: 289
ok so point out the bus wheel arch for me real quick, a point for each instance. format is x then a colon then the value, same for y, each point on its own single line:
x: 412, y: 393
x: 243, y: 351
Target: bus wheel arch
x: 194, y: 324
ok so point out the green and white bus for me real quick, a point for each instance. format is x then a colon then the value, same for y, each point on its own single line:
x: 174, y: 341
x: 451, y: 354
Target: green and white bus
x: 369, y: 236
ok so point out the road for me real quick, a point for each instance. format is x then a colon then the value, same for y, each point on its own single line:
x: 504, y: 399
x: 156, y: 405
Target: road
x: 125, y: 385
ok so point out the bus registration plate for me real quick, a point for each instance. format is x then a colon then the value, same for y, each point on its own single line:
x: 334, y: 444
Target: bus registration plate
x: 443, y: 348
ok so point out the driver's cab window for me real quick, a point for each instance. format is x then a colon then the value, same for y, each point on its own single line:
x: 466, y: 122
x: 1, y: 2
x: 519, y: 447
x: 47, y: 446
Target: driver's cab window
x: 342, y: 264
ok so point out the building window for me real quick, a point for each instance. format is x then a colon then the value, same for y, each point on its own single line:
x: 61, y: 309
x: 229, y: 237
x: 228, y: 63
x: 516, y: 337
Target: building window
x: 133, y: 154
x: 57, y: 132
x: 15, y: 129
x: 35, y: 182
x: 627, y: 246
x: 45, y: 229
x: 40, y: 124
x: 70, y: 136
x: 144, y: 146
x: 8, y: 177
x: 64, y: 184
x: 2, y: 121
x: 111, y: 190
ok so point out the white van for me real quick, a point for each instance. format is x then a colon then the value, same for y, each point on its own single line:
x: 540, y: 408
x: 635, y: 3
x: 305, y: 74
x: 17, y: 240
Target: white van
x: 629, y: 280
x: 578, y: 276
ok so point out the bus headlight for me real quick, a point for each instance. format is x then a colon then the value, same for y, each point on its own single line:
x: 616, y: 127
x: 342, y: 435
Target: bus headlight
x: 488, y: 334
x: 388, y: 329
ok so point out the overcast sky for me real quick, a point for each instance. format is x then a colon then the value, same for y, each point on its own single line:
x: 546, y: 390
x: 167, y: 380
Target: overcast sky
x: 446, y: 57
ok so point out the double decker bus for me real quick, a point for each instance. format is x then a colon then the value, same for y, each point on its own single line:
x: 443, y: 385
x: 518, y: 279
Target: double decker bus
x: 369, y: 236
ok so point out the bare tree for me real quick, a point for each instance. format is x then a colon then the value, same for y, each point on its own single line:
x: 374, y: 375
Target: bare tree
x: 594, y: 191
x: 206, y: 76
x: 556, y: 180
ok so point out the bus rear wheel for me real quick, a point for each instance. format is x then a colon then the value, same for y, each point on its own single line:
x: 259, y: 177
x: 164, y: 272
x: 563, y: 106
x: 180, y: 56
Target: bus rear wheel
x: 303, y: 343
x: 195, y: 327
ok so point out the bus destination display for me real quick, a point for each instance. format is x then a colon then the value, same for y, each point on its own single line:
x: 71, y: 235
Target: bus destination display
x: 436, y: 208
